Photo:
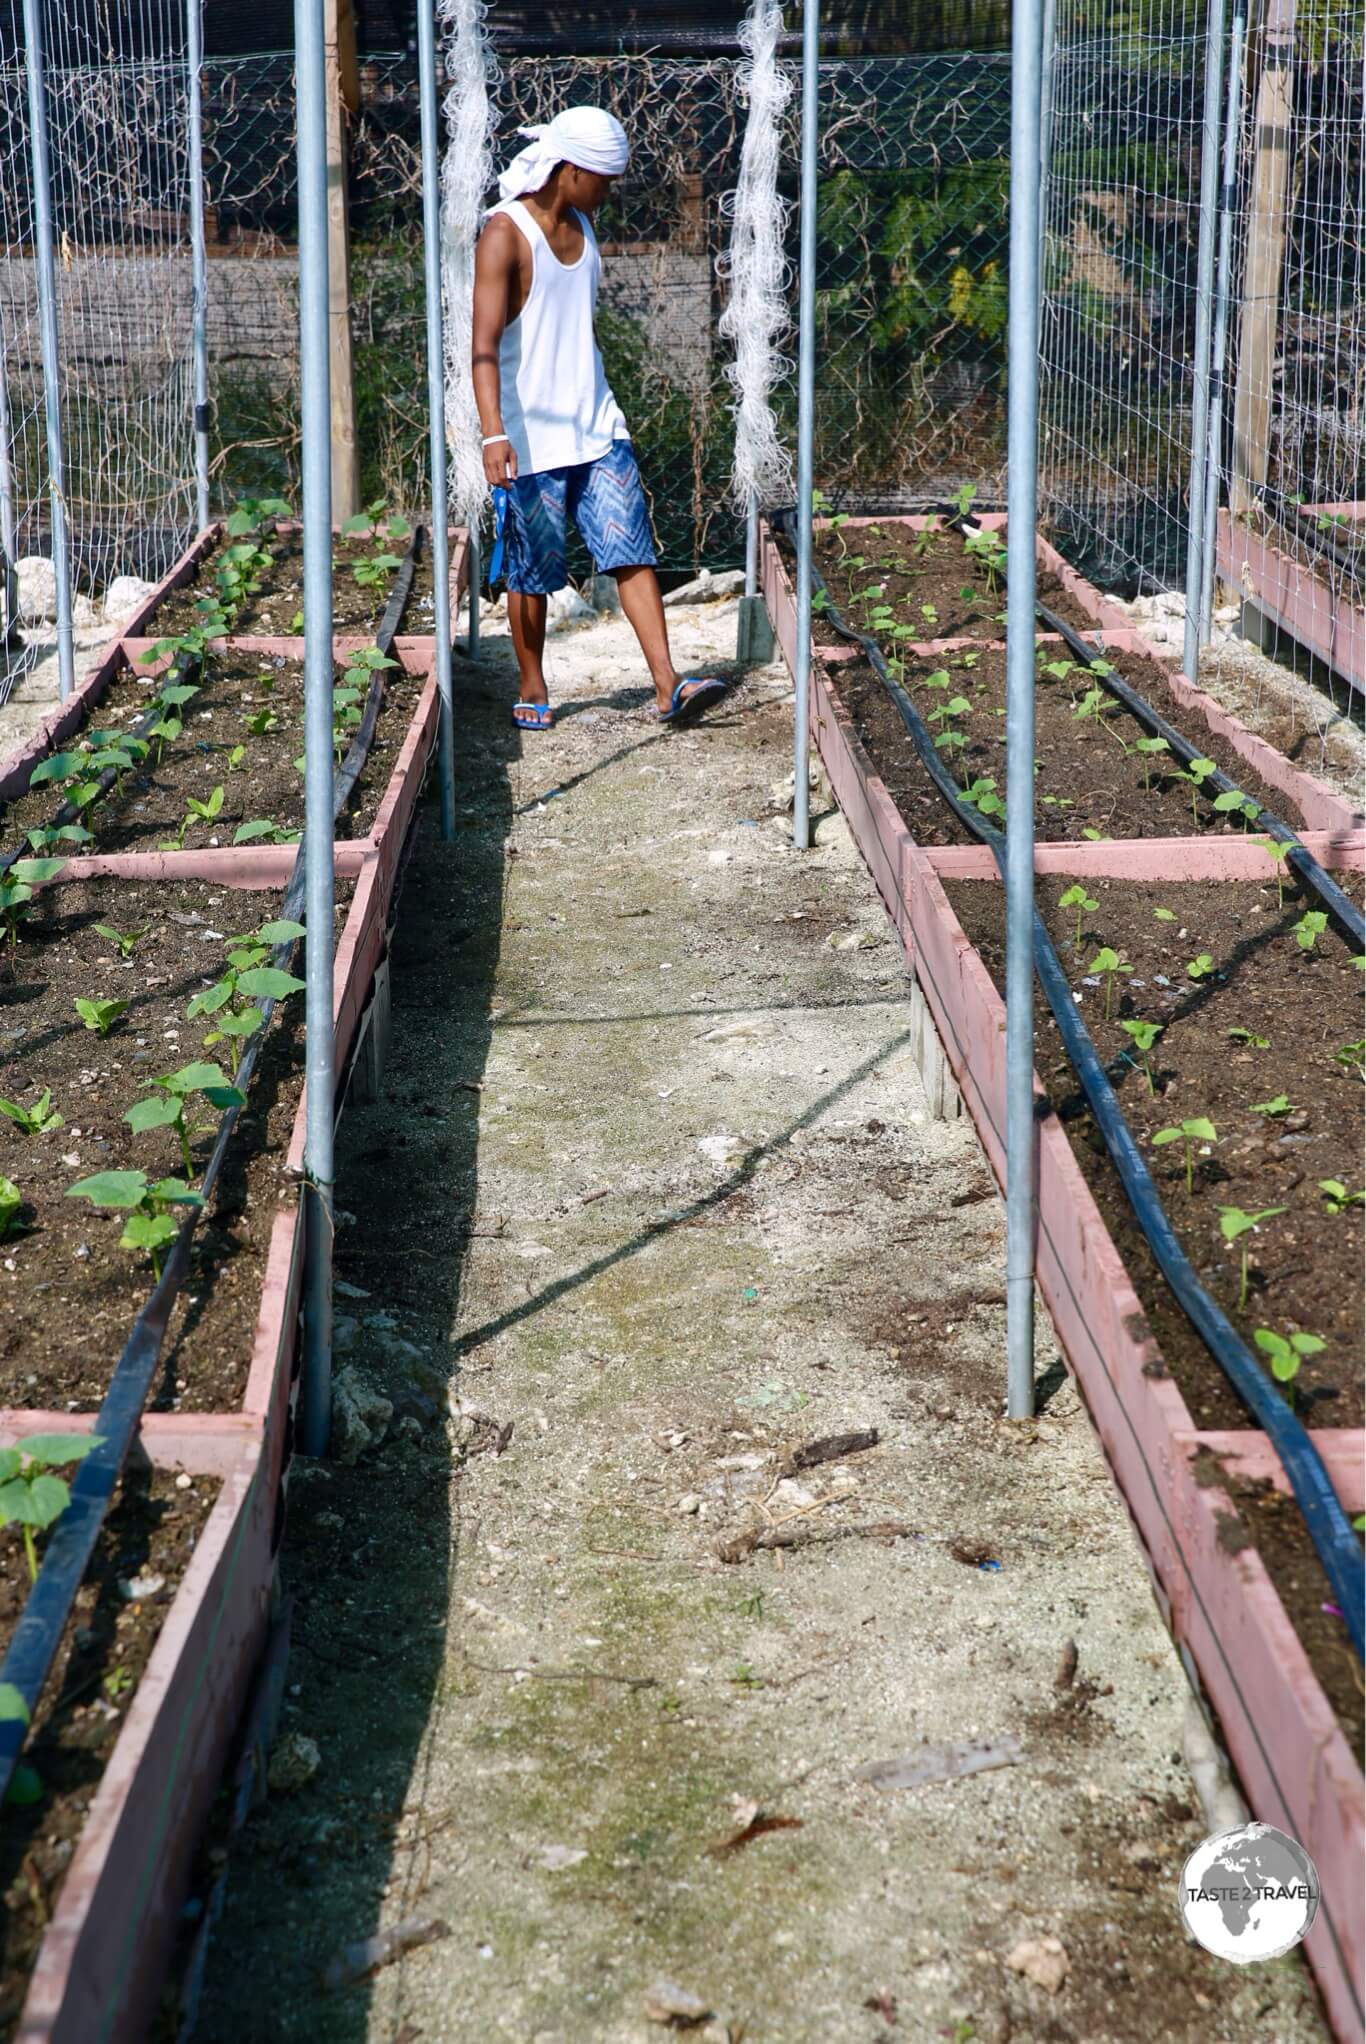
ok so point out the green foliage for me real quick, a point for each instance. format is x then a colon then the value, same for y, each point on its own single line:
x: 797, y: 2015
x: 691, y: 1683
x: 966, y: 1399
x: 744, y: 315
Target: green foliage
x: 100, y: 1016
x: 1285, y: 1354
x: 231, y: 1000
x: 1338, y: 1197
x: 149, y: 1227
x: 1109, y: 964
x: 125, y: 944
x: 1310, y: 928
x: 1250, y: 1038
x: 11, y: 1205
x: 31, y: 1497
x: 1235, y: 1226
x: 38, y: 1120
x: 1273, y: 1108
x: 1145, y: 1035
x: 1076, y: 897
x: 1198, y: 1129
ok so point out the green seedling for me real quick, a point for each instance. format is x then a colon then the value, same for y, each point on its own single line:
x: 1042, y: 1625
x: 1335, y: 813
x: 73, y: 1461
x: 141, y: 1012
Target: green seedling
x: 100, y: 1016
x: 1234, y: 800
x: 1310, y: 928
x: 46, y: 835
x: 1149, y: 748
x: 125, y: 944
x: 1058, y: 670
x: 149, y: 1226
x: 1145, y: 1035
x: 1098, y: 704
x: 1352, y: 1057
x: 235, y: 758
x: 963, y: 498
x: 1200, y: 967
x: 941, y: 678
x: 1334, y: 1192
x: 38, y: 1120
x: 195, y: 811
x: 1195, y: 777
x: 256, y: 514
x: 1164, y: 915
x: 262, y: 829
x: 169, y: 723
x: 1235, y: 1226
x: 1094, y: 836
x: 166, y: 1104
x: 1286, y: 1355
x: 986, y: 548
x: 1273, y: 1108
x: 1076, y: 897
x: 16, y: 892
x: 929, y: 613
x: 70, y: 773
x: 31, y: 1497
x: 248, y: 979
x: 11, y: 1202
x: 366, y: 524
x: 1250, y: 1038
x: 1278, y: 854
x: 117, y: 1683
x: 1109, y: 964
x: 375, y: 568
x: 261, y: 722
x: 983, y: 797
x: 1199, y: 1129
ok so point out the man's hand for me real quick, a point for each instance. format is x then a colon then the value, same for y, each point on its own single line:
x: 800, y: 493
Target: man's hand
x: 500, y: 463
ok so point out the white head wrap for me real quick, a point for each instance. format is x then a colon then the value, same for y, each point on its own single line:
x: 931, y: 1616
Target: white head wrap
x: 582, y: 135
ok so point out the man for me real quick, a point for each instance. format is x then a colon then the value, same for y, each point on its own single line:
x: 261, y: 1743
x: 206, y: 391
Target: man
x: 554, y: 437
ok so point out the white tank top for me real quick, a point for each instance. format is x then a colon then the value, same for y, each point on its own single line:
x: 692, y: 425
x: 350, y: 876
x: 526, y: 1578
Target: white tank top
x: 558, y: 409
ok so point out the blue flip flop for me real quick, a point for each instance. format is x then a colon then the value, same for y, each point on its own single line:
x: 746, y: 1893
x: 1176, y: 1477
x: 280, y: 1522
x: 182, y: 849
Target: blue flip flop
x: 537, y: 717
x: 705, y: 689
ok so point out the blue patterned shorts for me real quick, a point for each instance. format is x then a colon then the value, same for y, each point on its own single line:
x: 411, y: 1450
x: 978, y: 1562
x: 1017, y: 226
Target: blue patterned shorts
x: 606, y: 500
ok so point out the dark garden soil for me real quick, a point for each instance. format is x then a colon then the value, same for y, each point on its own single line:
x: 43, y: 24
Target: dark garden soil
x: 68, y: 1292
x: 1086, y: 781
x: 149, y: 807
x: 914, y: 569
x: 149, y: 1534
x: 355, y: 608
x: 1304, y: 1263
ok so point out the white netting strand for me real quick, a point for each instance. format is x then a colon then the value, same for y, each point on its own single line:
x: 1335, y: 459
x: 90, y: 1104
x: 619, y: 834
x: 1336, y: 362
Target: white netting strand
x: 756, y: 314
x: 465, y: 177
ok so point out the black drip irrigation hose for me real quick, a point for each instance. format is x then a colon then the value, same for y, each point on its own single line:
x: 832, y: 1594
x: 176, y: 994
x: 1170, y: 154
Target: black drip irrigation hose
x: 1329, y: 1528
x: 37, y: 1635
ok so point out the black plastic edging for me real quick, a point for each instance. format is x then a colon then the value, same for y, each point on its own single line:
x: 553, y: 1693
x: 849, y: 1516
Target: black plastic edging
x: 1329, y: 1528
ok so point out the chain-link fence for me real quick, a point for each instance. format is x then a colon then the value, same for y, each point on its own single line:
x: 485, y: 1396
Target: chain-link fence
x: 1128, y: 370
x: 911, y: 279
x: 911, y: 282
x: 116, y: 95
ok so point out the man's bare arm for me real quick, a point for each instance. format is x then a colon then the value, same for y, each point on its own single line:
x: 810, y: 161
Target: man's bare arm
x: 495, y: 267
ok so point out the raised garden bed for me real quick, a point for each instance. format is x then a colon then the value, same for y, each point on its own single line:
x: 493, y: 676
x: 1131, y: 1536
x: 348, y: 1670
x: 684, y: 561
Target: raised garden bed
x: 143, y: 1552
x: 68, y: 1292
x: 1202, y: 1495
x: 272, y: 611
x: 247, y: 702
x: 1299, y: 588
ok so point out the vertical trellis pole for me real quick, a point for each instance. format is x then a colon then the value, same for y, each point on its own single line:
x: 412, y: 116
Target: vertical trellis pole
x: 1219, y: 349
x: 806, y: 420
x: 47, y: 314
x: 1022, y: 428
x: 199, y: 267
x: 316, y: 421
x: 1204, y: 305
x: 436, y: 409
x: 8, y: 529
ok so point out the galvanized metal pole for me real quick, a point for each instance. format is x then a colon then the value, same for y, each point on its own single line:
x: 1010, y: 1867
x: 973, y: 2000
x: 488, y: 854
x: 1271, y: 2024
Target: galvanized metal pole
x: 316, y: 421
x: 47, y: 319
x: 436, y: 408
x: 752, y: 546
x: 1022, y: 505
x: 1050, y: 39
x: 1204, y: 303
x: 476, y: 577
x: 806, y: 421
x: 1233, y: 118
x: 199, y: 263
x: 8, y: 528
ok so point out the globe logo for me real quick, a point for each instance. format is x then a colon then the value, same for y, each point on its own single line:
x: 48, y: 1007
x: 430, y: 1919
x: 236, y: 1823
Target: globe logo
x: 1249, y: 1894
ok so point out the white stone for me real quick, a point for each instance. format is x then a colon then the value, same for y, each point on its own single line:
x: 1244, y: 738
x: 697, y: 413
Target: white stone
x: 37, y: 588
x: 709, y: 587
x: 360, y: 1415
x: 566, y: 607
x: 123, y: 597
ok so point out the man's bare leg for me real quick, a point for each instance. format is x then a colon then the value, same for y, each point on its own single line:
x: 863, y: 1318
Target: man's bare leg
x: 526, y: 620
x: 644, y: 607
